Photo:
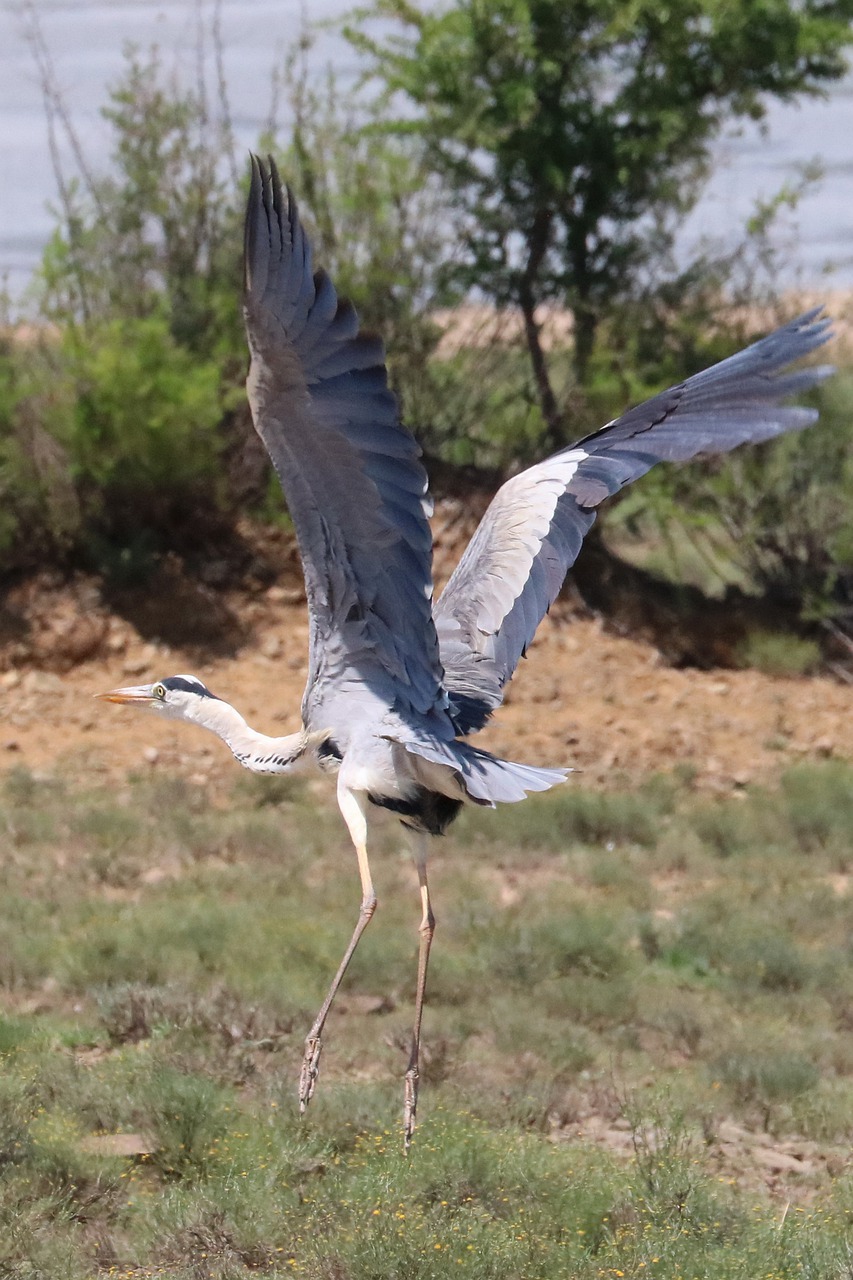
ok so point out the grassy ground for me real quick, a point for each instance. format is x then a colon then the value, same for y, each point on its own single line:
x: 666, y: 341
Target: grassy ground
x: 639, y: 1052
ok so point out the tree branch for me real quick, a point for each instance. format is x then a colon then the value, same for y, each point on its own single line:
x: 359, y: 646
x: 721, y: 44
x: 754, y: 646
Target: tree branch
x: 537, y: 245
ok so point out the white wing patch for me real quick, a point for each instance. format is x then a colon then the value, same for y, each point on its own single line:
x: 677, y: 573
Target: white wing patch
x: 525, y: 507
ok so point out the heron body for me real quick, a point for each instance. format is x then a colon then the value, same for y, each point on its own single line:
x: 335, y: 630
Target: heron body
x: 397, y: 682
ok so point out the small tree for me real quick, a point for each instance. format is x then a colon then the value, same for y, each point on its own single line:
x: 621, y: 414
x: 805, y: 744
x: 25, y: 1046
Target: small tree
x: 573, y: 135
x: 141, y: 285
x: 158, y: 232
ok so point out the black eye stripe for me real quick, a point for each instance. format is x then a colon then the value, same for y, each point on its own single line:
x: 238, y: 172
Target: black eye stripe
x: 188, y: 686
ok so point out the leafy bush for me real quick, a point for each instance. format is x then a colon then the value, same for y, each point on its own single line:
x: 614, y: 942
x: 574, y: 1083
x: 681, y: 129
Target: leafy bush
x: 105, y: 432
x: 778, y: 654
x: 578, y: 944
x: 572, y: 815
x: 819, y: 804
x: 187, y: 1117
x: 765, y: 1078
x: 39, y: 508
x: 143, y: 434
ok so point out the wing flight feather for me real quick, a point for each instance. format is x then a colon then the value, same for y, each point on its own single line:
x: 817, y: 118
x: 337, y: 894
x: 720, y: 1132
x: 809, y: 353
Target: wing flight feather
x: 351, y: 474
x: 516, y: 562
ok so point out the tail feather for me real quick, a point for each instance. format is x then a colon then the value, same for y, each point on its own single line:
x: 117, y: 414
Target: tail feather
x: 487, y: 779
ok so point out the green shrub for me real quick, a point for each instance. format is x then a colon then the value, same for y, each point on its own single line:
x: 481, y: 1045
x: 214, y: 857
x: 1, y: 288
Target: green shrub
x: 146, y: 409
x: 818, y: 802
x: 769, y: 961
x: 572, y: 815
x: 778, y: 654
x: 581, y: 943
x: 765, y: 1077
x: 736, y: 827
x: 39, y: 506
x: 144, y: 444
x: 187, y: 1116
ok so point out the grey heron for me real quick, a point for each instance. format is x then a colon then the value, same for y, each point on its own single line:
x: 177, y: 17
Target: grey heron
x: 397, y: 682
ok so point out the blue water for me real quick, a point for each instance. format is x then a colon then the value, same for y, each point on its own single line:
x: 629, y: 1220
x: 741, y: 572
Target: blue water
x: 86, y: 39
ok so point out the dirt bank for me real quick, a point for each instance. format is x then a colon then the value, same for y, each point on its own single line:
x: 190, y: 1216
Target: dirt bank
x: 600, y: 702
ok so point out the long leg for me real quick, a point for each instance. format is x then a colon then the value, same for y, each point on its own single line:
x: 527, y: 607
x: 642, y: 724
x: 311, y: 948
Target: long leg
x: 427, y: 929
x: 353, y: 811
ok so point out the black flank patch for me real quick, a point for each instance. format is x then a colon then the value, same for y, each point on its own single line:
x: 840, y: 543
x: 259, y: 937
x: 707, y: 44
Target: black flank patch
x: 427, y: 811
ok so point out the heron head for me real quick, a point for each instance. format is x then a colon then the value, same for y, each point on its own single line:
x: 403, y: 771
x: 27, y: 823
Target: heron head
x: 176, y: 697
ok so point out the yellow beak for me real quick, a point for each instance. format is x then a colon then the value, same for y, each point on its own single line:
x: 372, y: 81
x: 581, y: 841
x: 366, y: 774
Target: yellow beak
x: 137, y: 693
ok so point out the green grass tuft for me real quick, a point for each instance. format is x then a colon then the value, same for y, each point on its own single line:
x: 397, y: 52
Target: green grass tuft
x: 779, y: 654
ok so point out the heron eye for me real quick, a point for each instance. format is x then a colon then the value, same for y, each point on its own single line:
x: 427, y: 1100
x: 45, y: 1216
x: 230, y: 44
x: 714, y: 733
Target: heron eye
x: 159, y: 691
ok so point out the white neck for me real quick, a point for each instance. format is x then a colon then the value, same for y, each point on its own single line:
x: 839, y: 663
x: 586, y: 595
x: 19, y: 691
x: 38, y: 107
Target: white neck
x: 253, y: 750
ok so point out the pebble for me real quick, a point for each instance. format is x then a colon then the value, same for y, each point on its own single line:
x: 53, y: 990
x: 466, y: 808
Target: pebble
x: 154, y: 875
x: 781, y: 1161
x: 117, y: 1144
x: 151, y: 755
x: 41, y: 682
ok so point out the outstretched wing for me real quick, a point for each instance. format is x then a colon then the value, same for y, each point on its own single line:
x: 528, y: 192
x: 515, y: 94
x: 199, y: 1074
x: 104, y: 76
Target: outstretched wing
x: 532, y: 531
x: 351, y: 474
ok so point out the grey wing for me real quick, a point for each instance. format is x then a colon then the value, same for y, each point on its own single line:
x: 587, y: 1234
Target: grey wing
x: 532, y: 531
x: 351, y: 474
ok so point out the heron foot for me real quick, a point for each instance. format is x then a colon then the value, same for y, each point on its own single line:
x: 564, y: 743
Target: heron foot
x: 410, y: 1105
x: 310, y: 1071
